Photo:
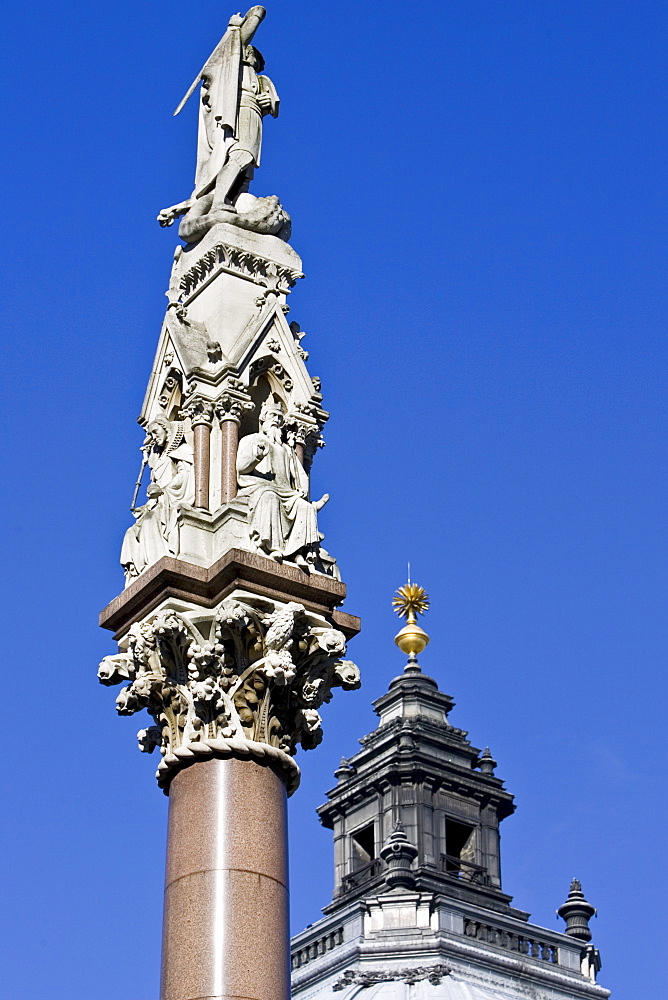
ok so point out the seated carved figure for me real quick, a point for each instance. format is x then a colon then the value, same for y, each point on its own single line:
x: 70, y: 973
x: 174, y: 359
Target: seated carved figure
x: 156, y: 531
x: 282, y: 521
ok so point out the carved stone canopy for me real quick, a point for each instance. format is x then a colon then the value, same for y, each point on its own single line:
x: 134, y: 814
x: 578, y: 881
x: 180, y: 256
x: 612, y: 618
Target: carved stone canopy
x: 224, y: 349
x: 244, y: 678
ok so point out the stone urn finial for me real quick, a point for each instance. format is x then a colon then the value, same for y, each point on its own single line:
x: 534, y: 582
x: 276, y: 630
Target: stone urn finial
x: 487, y: 762
x: 344, y: 770
x: 399, y: 854
x: 577, y: 913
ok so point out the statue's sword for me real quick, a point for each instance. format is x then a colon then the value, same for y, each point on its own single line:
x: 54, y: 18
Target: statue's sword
x: 191, y: 90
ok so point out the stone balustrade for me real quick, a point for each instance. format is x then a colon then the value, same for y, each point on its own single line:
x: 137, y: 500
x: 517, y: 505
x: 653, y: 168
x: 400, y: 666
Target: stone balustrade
x: 524, y: 944
x: 455, y: 867
x: 320, y: 946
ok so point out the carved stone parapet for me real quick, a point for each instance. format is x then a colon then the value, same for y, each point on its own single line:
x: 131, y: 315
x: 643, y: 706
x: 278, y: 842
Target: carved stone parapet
x: 244, y: 678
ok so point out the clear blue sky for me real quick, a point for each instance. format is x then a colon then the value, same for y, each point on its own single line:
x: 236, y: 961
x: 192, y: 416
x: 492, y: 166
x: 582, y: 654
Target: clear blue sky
x: 479, y: 196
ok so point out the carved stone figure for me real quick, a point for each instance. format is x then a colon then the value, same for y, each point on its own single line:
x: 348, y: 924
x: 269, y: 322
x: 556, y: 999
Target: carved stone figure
x: 235, y: 97
x: 156, y: 531
x: 248, y: 677
x: 282, y: 520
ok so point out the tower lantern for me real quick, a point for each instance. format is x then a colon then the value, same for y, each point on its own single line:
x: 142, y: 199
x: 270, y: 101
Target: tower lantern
x: 418, y: 907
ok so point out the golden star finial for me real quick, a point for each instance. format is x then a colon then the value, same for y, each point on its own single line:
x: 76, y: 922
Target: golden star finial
x: 410, y: 601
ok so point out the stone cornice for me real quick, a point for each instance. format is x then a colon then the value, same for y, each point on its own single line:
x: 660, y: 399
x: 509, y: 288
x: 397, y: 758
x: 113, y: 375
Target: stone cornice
x: 393, y: 769
x: 521, y: 968
x: 419, y: 686
x: 174, y: 578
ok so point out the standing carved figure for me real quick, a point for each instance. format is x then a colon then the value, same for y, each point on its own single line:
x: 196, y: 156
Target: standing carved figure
x: 283, y: 523
x: 234, y: 99
x: 156, y: 531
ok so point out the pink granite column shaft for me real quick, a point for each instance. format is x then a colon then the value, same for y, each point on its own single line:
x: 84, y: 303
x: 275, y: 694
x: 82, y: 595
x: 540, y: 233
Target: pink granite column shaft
x: 202, y: 449
x: 225, y: 932
x: 229, y: 430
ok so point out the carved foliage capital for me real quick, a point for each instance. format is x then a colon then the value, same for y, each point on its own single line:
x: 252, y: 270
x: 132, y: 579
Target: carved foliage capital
x: 199, y: 410
x: 253, y: 671
x: 231, y: 406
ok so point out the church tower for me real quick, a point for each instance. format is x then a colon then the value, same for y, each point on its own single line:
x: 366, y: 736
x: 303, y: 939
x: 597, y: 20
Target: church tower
x: 418, y: 896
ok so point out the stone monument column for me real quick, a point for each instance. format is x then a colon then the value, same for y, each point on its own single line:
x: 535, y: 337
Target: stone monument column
x: 229, y: 629
x: 233, y: 680
x: 226, y: 887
